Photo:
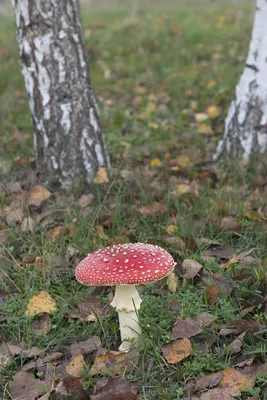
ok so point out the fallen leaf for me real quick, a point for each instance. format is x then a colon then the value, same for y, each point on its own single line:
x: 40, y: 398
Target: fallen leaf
x: 230, y: 224
x: 27, y: 225
x: 245, y: 325
x: 204, y: 319
x: 115, y: 396
x: 42, y: 325
x: 154, y: 209
x: 182, y: 161
x: 185, y: 328
x: 177, y: 351
x: 3, y: 237
x: 76, y: 366
x: 69, y: 388
x: 212, y: 294
x: 175, y: 241
x: 24, y: 386
x: 201, y: 117
x: 213, y: 111
x: 15, y: 216
x: 205, y: 129
x: 90, y: 309
x: 235, y: 380
x: 190, y: 268
x: 114, y: 363
x: 101, y: 177
x: 172, y: 282
x: 119, y: 387
x: 57, y: 232
x: 155, y: 162
x: 8, y: 351
x: 204, y: 382
x: 100, y: 232
x: 219, y: 250
x: 236, y: 346
x: 171, y: 229
x: 183, y: 189
x: 38, y: 195
x: 85, y: 347
x: 40, y: 303
x: 220, y: 394
x: 252, y: 216
x: 85, y: 200
x: 233, y: 260
x: 33, y: 352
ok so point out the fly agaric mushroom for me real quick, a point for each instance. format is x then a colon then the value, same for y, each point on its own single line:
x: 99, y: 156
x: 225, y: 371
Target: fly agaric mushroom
x: 125, y: 265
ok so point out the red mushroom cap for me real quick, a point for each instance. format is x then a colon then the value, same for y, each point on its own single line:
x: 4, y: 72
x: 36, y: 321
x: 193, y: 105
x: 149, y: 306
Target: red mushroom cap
x: 125, y: 264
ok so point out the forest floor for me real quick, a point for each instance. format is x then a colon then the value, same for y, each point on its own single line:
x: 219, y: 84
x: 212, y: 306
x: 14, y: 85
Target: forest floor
x: 164, y: 83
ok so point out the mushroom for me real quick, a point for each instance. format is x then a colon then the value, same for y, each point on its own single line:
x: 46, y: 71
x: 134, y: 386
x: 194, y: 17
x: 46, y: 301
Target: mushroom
x: 125, y: 265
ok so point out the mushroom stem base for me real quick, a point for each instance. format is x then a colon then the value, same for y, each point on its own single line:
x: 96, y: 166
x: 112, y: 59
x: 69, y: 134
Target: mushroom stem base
x: 129, y: 328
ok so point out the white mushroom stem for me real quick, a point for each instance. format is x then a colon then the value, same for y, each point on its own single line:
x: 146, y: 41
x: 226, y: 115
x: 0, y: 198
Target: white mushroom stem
x: 127, y: 301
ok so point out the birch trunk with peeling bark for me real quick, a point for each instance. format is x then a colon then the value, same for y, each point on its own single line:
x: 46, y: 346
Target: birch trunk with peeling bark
x: 68, y: 139
x: 246, y: 123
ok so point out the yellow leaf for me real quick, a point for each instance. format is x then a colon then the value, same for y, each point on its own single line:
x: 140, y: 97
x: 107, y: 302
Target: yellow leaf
x: 40, y: 303
x: 38, y: 194
x: 153, y: 125
x: 155, y: 162
x: 101, y: 176
x: 76, y: 366
x: 233, y: 260
x: 211, y: 83
x: 182, y: 188
x: 171, y: 229
x: 235, y: 380
x: 172, y: 282
x: 183, y: 161
x: 200, y: 117
x: 213, y: 111
x: 205, y: 129
x: 252, y: 216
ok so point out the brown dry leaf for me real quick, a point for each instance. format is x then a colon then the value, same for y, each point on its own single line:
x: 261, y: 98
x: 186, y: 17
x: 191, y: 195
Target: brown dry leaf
x: 230, y: 224
x: 90, y: 309
x: 42, y: 325
x: 3, y: 237
x: 101, y: 177
x: 205, y: 129
x: 213, y: 294
x: 219, y: 250
x: 101, y: 233
x: 235, y: 380
x: 252, y: 216
x: 7, y: 352
x: 76, y: 366
x: 70, y: 388
x: 246, y: 326
x: 116, y: 386
x: 85, y: 347
x: 190, y: 268
x: 38, y: 194
x: 236, y: 346
x: 85, y: 200
x: 115, y: 396
x: 27, y: 225
x: 24, y: 386
x: 154, y: 209
x: 114, y: 363
x: 57, y: 232
x: 213, y: 112
x: 177, y: 351
x: 204, y: 319
x: 204, y: 382
x: 40, y: 303
x: 172, y: 282
x: 185, y: 328
x: 175, y: 241
x: 14, y: 216
x: 220, y: 394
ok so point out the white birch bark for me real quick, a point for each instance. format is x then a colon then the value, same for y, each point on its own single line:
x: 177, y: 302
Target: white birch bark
x: 246, y: 123
x: 68, y: 139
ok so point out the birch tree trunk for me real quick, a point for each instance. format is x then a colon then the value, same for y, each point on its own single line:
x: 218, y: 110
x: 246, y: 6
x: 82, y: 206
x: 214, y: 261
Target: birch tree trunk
x: 68, y: 139
x: 246, y: 123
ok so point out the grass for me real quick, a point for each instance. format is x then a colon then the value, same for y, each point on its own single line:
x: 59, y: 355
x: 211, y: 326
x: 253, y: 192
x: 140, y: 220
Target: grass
x: 147, y: 76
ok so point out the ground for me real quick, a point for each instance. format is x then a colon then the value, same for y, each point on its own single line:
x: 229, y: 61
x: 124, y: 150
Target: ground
x: 164, y: 82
